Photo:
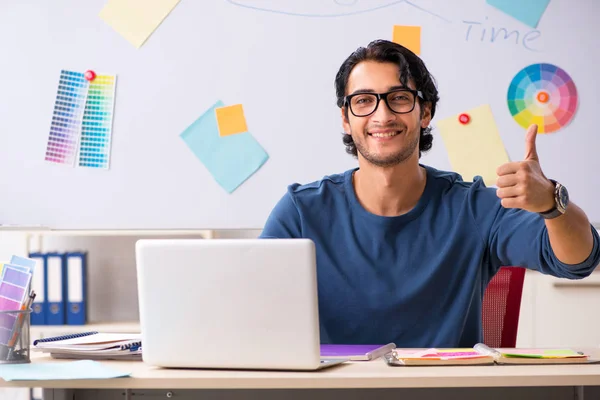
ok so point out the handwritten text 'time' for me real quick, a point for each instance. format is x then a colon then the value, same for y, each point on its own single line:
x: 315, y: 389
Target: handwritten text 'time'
x: 477, y: 31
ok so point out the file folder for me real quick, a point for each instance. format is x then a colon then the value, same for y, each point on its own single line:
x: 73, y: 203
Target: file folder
x: 76, y: 288
x: 55, y: 289
x: 38, y: 280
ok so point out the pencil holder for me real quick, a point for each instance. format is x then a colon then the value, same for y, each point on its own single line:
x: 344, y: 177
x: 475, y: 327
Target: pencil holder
x: 14, y: 336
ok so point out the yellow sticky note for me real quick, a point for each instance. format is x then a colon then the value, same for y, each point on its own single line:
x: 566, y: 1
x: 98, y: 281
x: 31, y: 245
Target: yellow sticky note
x: 474, y: 148
x: 231, y: 120
x: 409, y: 37
x: 135, y: 20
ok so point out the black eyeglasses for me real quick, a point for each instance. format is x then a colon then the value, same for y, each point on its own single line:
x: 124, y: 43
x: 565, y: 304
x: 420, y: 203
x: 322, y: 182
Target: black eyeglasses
x: 401, y: 101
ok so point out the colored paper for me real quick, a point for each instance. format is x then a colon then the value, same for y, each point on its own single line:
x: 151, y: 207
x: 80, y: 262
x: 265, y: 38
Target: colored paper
x: 231, y: 120
x: 42, y: 371
x: 69, y: 104
x: 82, y: 122
x: 96, y: 126
x: 542, y: 94
x: 232, y: 159
x: 474, y: 148
x: 409, y: 37
x: 135, y: 20
x: 527, y: 11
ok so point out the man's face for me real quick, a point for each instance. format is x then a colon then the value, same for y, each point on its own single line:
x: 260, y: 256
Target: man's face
x: 383, y: 138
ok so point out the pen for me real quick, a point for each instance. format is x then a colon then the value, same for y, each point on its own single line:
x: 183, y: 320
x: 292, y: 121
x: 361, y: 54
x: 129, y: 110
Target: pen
x: 18, y: 325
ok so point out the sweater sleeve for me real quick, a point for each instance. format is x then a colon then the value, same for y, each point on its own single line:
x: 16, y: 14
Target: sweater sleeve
x: 284, y: 221
x: 519, y: 238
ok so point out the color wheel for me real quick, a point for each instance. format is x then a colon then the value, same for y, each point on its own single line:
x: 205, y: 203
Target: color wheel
x: 542, y: 94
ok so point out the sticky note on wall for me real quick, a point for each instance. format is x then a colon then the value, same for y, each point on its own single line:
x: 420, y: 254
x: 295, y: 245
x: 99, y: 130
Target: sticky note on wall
x: 135, y: 20
x: 408, y: 36
x: 474, y: 144
x: 231, y: 120
x: 529, y: 12
x: 231, y: 159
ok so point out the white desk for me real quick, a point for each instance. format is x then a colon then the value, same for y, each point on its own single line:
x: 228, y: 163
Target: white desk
x: 364, y: 378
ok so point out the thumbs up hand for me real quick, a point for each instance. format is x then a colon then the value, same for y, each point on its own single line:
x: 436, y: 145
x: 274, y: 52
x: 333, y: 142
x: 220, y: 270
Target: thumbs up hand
x: 522, y: 184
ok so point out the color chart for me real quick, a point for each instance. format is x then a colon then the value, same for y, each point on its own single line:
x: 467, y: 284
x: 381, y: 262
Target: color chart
x: 13, y: 292
x: 66, y: 120
x: 96, y: 127
x: 542, y: 94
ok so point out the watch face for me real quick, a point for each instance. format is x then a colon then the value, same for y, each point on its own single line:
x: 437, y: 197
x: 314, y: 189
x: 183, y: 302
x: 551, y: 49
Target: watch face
x: 563, y: 198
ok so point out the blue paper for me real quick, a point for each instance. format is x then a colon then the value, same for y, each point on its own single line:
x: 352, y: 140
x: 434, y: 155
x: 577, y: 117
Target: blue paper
x: 49, y: 371
x: 230, y: 159
x: 24, y: 262
x: 527, y: 11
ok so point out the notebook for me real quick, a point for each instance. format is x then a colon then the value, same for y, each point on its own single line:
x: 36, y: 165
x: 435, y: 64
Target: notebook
x: 481, y: 354
x: 92, y: 345
x: 355, y: 352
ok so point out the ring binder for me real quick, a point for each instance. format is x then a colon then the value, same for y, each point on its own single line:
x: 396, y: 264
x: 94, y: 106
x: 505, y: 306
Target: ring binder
x: 64, y: 337
x: 130, y: 345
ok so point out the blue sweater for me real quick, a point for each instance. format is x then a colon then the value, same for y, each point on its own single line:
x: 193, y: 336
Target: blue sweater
x: 417, y: 279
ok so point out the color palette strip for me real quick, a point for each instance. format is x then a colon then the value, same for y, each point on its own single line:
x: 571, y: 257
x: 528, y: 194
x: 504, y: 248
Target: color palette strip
x: 67, y: 117
x: 542, y: 94
x: 96, y: 127
x: 13, y: 293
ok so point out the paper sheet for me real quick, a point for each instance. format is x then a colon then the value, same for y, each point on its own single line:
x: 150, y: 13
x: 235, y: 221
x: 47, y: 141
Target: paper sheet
x: 527, y: 11
x: 231, y: 120
x: 475, y: 148
x: 41, y: 371
x: 135, y: 20
x: 230, y: 159
x: 409, y: 37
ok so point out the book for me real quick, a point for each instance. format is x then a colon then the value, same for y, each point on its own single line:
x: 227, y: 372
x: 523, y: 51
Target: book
x: 433, y: 356
x: 534, y: 356
x: 355, y: 352
x: 92, y: 345
x: 481, y: 354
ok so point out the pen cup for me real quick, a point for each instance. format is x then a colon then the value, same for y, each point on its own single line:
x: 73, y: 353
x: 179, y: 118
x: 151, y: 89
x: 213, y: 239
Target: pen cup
x: 14, y: 337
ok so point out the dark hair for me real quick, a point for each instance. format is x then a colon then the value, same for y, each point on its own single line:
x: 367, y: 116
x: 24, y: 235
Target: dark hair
x: 410, y: 66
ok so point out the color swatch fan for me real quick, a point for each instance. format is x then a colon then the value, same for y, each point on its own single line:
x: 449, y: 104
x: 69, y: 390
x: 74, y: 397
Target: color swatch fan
x: 542, y: 94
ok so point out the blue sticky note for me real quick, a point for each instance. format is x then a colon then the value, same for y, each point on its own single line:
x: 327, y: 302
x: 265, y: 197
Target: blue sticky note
x: 49, y: 371
x: 230, y: 159
x: 527, y: 11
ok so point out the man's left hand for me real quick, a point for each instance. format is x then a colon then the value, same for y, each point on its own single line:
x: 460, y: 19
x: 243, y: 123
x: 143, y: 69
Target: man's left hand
x: 522, y: 184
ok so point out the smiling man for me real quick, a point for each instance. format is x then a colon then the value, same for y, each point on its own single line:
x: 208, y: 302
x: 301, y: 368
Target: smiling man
x: 405, y: 251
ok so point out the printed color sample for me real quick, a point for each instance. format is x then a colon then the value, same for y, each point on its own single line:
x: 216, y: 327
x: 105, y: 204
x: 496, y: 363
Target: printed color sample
x: 96, y: 127
x: 542, y: 94
x: 66, y: 120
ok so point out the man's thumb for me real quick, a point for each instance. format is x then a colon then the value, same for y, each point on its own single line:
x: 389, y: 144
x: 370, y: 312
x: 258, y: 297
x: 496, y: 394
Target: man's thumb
x: 530, y: 150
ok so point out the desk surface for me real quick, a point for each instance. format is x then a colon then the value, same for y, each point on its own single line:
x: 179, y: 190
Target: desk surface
x: 368, y: 374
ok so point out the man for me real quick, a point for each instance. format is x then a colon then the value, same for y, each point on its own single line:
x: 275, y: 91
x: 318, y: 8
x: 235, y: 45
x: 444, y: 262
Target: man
x: 405, y: 251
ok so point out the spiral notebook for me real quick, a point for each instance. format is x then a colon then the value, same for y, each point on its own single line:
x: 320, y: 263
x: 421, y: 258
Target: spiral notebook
x: 92, y: 345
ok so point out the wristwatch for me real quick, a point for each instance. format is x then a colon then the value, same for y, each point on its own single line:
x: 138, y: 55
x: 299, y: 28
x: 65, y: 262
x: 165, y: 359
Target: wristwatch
x: 561, y: 201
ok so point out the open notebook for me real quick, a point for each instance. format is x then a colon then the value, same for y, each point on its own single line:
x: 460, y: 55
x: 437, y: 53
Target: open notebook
x: 92, y: 345
x: 481, y: 354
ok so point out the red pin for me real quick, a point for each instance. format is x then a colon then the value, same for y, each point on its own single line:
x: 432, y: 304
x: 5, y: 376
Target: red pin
x: 464, y: 118
x: 89, y: 75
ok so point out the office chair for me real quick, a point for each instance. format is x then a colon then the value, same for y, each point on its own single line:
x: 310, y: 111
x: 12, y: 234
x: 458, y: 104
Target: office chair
x: 501, y: 307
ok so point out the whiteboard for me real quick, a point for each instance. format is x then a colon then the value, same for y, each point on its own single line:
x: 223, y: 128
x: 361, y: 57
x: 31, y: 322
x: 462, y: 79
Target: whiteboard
x: 278, y: 59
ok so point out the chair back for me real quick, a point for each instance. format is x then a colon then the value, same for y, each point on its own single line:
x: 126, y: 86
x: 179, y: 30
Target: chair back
x: 501, y: 307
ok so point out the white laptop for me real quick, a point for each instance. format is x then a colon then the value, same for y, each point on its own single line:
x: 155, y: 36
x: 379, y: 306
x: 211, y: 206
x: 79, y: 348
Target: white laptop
x: 229, y: 303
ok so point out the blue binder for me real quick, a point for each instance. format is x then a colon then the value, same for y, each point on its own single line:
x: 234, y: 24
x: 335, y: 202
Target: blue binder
x: 55, y: 289
x: 38, y: 284
x: 75, y: 282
